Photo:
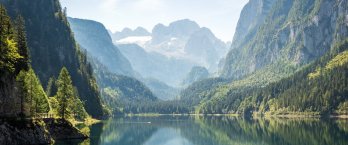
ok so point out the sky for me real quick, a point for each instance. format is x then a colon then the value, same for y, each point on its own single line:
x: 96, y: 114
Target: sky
x: 221, y: 16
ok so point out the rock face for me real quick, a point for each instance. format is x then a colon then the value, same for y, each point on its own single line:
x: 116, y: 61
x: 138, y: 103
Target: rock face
x: 284, y: 33
x: 94, y: 37
x: 61, y: 129
x: 16, y: 133
x: 154, y: 65
x: 176, y: 48
x: 37, y: 132
x: 127, y: 32
x: 178, y: 29
x: 205, y: 48
x: 197, y: 73
x: 252, y: 16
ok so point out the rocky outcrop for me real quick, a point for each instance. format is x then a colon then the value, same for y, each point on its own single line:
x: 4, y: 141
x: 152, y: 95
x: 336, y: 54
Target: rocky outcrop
x: 61, y: 129
x: 197, y: 73
x: 19, y: 133
x: 205, y: 48
x: 32, y: 132
x: 284, y: 33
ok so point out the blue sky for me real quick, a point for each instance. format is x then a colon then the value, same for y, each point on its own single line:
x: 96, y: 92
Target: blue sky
x: 221, y: 16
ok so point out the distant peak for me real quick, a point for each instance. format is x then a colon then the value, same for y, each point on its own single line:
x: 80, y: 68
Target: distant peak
x: 184, y: 23
x: 127, y: 30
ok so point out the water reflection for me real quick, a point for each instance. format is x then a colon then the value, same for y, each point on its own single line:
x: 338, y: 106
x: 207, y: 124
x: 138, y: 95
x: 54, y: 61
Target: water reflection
x: 188, y: 130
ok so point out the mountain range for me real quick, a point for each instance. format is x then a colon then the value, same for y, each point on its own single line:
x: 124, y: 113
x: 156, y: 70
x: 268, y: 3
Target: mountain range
x: 287, y: 56
x: 172, y: 50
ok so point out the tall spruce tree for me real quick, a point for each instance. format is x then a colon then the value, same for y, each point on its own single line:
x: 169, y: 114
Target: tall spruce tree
x: 69, y: 104
x: 33, y: 98
x: 23, y: 50
x: 65, y: 93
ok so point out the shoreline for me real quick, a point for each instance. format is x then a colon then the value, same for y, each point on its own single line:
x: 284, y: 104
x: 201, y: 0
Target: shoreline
x: 292, y: 115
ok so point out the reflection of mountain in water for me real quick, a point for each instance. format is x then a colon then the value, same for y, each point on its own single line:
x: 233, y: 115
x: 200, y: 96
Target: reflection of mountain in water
x: 168, y: 136
x: 167, y: 130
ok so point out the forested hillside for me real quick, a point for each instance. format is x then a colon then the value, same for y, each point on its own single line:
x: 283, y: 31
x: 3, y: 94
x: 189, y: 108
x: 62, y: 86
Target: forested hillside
x: 284, y: 33
x: 119, y: 89
x: 288, y: 57
x: 52, y: 46
x: 319, y: 88
x: 22, y: 94
x: 120, y: 92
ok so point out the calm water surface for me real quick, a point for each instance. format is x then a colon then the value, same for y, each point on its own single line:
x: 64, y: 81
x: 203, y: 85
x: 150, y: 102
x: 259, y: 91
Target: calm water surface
x: 185, y: 130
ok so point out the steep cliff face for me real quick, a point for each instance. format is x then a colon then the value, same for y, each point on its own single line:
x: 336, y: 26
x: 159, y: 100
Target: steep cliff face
x: 93, y: 37
x: 197, y: 73
x: 252, y: 16
x: 284, y: 33
x: 205, y: 48
x: 178, y: 29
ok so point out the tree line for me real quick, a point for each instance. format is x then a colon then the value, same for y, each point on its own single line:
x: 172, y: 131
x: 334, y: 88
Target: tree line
x: 21, y: 92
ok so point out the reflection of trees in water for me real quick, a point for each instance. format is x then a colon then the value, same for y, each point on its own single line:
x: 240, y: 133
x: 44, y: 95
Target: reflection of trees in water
x: 223, y: 131
x: 127, y: 131
x: 274, y: 131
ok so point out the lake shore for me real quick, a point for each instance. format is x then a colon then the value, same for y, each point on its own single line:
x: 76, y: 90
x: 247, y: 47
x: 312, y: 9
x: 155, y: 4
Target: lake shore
x: 288, y: 115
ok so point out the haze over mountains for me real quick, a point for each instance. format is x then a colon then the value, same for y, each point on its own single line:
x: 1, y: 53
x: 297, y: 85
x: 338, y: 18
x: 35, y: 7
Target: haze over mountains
x: 180, y: 46
x: 278, y: 47
x: 288, y: 58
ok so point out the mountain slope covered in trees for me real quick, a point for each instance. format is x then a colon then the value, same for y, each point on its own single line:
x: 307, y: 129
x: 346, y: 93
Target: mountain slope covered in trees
x: 120, y: 92
x: 114, y: 73
x: 52, y: 47
x: 23, y: 101
x: 284, y: 33
x: 289, y: 56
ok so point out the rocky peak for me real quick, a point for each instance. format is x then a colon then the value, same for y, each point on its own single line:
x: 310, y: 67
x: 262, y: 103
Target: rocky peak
x: 127, y: 32
x: 251, y: 17
x: 284, y: 33
x: 178, y: 29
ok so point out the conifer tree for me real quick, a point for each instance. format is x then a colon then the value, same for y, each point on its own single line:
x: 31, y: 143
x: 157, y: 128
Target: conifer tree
x: 69, y: 104
x: 32, y: 96
x: 65, y: 93
x: 8, y: 49
x: 22, y: 45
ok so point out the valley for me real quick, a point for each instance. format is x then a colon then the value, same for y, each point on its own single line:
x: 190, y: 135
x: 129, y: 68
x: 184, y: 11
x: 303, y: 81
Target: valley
x: 286, y: 66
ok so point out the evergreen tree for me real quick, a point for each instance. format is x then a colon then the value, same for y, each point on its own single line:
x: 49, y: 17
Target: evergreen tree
x: 9, y: 52
x: 69, y: 104
x: 78, y: 109
x: 32, y: 96
x: 51, y: 87
x: 22, y: 45
x: 65, y: 93
x: 22, y: 93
